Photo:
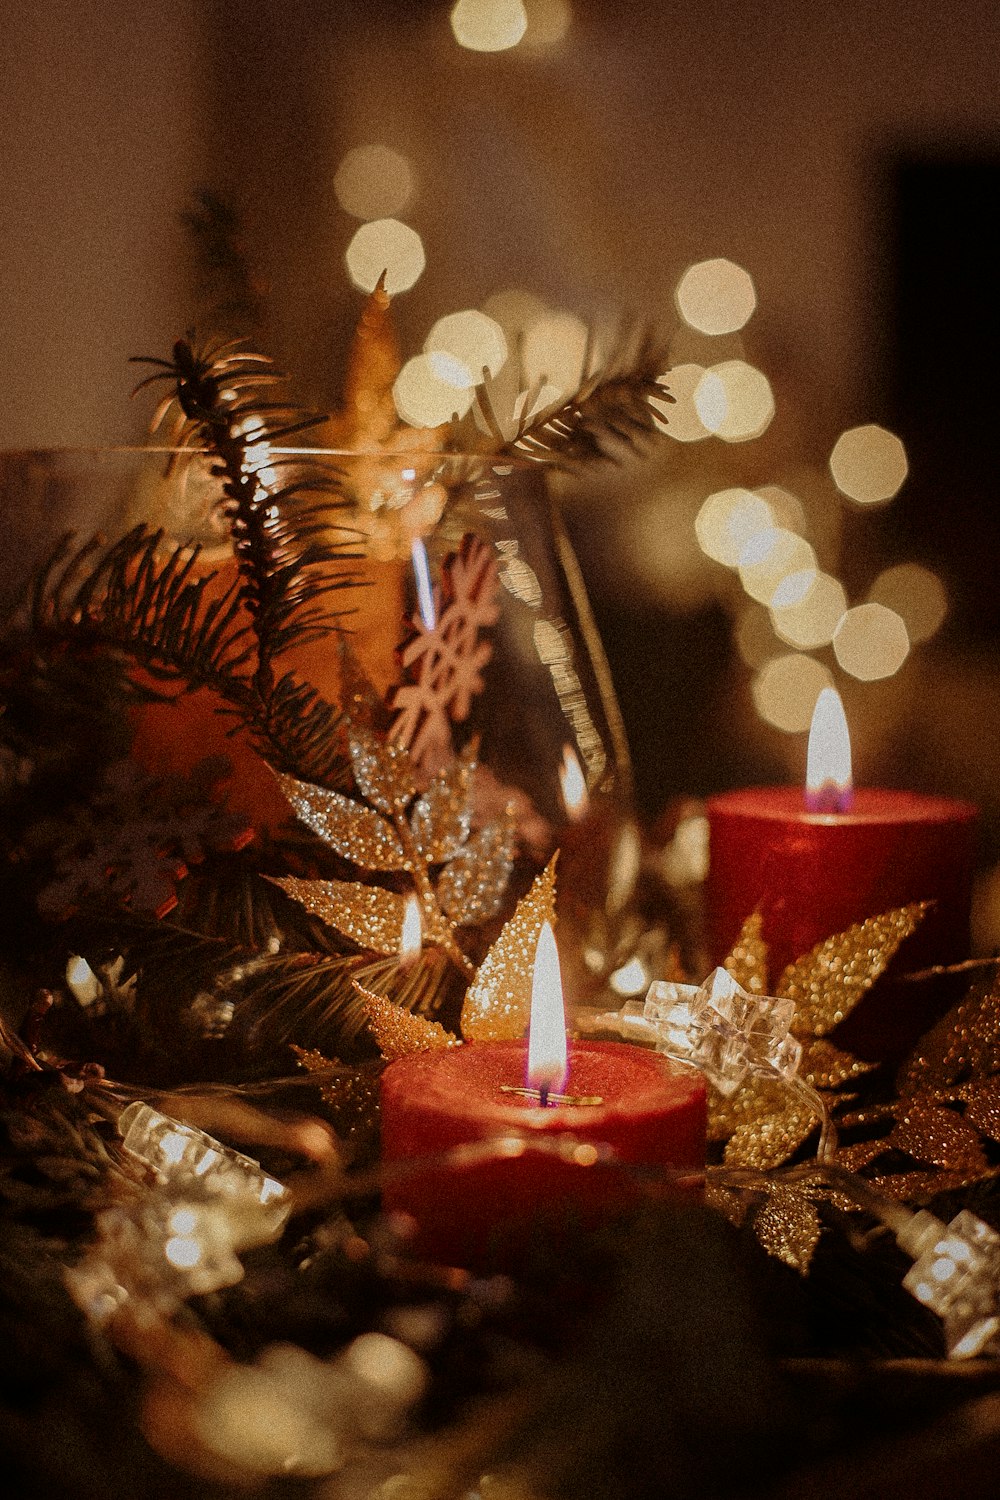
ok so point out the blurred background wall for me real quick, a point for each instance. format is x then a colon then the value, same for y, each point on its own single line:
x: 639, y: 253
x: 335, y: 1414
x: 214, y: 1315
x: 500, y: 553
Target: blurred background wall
x: 844, y: 155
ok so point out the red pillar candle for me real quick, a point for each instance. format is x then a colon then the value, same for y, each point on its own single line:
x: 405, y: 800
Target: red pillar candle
x: 651, y: 1114
x: 814, y: 870
x: 561, y: 1159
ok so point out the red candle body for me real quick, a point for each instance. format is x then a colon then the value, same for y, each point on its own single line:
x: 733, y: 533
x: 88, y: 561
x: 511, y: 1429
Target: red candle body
x: 653, y: 1114
x: 814, y: 874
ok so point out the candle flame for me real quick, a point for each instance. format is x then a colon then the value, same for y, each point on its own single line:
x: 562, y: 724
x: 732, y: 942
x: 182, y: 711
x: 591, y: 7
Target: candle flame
x: 574, y: 786
x: 412, y: 936
x: 547, y: 1058
x: 828, y: 762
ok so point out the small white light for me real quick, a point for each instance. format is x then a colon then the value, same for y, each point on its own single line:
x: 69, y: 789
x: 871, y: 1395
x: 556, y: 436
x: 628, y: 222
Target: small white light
x: 173, y: 1145
x: 182, y: 1251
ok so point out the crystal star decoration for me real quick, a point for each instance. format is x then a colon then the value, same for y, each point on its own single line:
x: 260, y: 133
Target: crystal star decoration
x: 956, y: 1273
x: 762, y: 1123
x: 724, y: 1031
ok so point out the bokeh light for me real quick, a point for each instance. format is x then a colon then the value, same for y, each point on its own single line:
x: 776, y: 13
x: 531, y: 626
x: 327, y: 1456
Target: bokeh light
x: 679, y: 418
x: 488, y: 25
x: 424, y: 394
x: 754, y: 636
x: 916, y: 594
x: 871, y: 642
x: 812, y: 620
x: 728, y: 523
x: 389, y: 246
x: 548, y: 23
x: 373, y: 182
x: 787, y: 508
x: 554, y: 351
x: 715, y: 296
x: 772, y: 557
x: 868, y: 464
x: 471, y: 337
x: 786, y: 688
x: 735, y: 401
x: 515, y: 310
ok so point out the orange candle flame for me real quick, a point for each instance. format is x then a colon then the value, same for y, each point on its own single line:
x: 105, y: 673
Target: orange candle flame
x: 547, y: 1052
x: 412, y: 936
x: 829, y: 788
x: 573, y: 785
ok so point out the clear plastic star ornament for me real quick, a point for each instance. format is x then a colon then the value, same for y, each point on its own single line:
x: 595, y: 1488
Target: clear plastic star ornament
x: 721, y: 1029
x: 956, y: 1273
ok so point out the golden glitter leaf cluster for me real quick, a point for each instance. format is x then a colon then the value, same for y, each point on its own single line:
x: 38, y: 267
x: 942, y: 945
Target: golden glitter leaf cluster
x: 457, y: 875
x: 762, y: 1124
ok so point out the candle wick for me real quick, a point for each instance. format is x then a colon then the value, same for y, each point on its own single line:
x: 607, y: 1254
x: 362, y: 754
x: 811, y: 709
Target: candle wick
x: 831, y: 797
x: 543, y: 1095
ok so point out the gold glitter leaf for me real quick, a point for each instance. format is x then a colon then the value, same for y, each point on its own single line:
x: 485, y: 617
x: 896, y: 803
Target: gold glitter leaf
x: 827, y: 983
x: 917, y: 1188
x: 860, y: 1154
x: 397, y: 1032
x: 964, y: 1044
x: 748, y: 961
x: 350, y: 1094
x: 827, y: 1067
x: 982, y: 1108
x: 384, y: 772
x: 772, y: 1137
x: 442, y: 817
x: 368, y: 915
x: 726, y: 1200
x: 472, y: 885
x: 788, y: 1226
x: 358, y: 833
x: 930, y: 1133
x: 498, y: 1003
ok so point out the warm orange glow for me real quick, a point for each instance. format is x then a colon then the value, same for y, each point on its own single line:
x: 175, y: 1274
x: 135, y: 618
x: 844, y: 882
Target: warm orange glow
x: 547, y: 1051
x: 573, y: 786
x: 829, y: 786
x: 412, y: 936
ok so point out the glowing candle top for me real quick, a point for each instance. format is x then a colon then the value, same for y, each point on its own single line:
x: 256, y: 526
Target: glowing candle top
x: 829, y: 787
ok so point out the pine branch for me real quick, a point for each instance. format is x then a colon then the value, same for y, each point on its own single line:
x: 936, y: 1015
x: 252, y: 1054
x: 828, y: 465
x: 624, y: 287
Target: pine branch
x: 142, y: 598
x: 611, y: 413
x: 281, y: 530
